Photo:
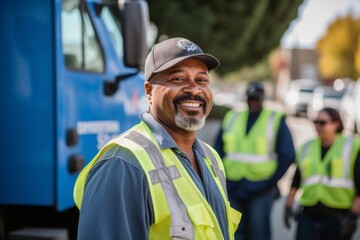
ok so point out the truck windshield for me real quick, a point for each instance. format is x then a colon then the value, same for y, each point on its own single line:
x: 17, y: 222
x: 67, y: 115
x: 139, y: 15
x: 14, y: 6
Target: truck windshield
x: 111, y: 18
x: 81, y: 47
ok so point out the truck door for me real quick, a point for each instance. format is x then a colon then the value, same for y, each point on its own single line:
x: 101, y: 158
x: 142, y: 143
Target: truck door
x: 89, y: 55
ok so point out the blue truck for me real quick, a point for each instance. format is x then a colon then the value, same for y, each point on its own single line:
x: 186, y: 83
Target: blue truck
x: 71, y: 80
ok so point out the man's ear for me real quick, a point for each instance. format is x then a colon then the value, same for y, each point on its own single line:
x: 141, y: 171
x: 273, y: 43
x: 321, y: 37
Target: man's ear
x: 148, y: 91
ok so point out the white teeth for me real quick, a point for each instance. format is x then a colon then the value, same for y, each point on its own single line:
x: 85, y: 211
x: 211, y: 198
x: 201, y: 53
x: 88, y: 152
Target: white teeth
x: 194, y: 105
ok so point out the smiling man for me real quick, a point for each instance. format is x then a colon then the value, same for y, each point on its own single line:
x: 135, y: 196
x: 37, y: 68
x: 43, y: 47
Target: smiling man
x: 157, y: 180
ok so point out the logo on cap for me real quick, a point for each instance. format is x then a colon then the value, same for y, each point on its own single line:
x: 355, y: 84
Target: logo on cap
x: 186, y: 45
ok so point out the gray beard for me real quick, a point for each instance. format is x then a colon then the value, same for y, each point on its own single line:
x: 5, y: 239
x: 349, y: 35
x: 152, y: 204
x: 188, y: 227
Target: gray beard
x: 189, y: 124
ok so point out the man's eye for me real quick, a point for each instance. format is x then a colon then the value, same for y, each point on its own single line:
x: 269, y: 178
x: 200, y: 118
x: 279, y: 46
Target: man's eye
x: 203, y: 81
x: 177, y: 79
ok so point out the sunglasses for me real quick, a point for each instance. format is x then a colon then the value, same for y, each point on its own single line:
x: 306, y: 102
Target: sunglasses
x: 321, y: 122
x: 253, y: 98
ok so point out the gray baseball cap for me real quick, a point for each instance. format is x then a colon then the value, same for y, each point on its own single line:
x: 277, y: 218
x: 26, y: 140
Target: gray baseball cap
x: 167, y: 53
x: 255, y: 89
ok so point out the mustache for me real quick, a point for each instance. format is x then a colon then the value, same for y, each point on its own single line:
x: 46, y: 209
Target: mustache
x: 186, y: 97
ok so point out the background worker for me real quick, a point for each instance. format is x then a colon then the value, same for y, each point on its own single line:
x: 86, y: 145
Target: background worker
x: 328, y: 171
x: 157, y: 180
x: 257, y: 149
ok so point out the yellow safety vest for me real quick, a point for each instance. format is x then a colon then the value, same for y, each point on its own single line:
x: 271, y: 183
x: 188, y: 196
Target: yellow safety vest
x: 251, y: 156
x: 180, y: 209
x: 331, y: 180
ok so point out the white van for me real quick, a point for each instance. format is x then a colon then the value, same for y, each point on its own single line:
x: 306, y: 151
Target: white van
x: 350, y: 108
x: 324, y: 96
x: 299, y: 96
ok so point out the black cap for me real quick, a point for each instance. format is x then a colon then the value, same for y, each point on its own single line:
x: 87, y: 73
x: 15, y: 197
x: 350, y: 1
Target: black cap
x: 255, y: 89
x: 167, y: 53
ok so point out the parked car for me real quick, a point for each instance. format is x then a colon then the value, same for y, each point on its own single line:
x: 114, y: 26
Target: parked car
x: 299, y: 95
x: 324, y: 96
x: 349, y: 108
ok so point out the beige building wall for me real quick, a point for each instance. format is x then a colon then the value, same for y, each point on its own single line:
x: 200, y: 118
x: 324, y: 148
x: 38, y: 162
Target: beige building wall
x: 298, y: 63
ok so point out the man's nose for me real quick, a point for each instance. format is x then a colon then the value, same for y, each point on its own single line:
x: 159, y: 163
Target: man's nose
x: 192, y: 87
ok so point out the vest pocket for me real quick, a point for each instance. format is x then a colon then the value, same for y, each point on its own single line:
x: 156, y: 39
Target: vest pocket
x: 337, y: 167
x: 261, y: 145
x: 182, y: 232
x: 305, y: 168
x: 204, y: 226
x: 229, y: 141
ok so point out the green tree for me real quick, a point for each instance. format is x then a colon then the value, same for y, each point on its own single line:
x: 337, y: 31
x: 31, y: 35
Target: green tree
x: 339, y: 48
x: 239, y: 33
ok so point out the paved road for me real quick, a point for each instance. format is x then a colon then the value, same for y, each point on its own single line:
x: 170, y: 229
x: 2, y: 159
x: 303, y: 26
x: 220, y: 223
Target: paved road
x: 302, y: 130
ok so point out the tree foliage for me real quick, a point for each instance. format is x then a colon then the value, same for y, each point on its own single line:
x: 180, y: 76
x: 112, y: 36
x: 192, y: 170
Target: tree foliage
x: 340, y: 49
x: 357, y: 54
x: 239, y: 33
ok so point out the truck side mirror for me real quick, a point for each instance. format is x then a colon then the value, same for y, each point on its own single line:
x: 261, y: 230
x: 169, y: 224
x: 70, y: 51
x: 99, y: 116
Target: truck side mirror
x: 135, y: 21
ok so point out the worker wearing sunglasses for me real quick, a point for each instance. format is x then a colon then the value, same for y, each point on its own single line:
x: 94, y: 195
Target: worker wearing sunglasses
x: 321, y: 122
x: 328, y: 172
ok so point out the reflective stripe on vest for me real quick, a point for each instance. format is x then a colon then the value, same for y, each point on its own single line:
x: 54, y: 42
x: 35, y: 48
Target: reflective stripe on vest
x: 232, y: 121
x: 270, y: 132
x: 180, y: 221
x: 251, y: 158
x: 347, y: 156
x: 330, y: 182
x: 304, y: 151
x: 214, y: 164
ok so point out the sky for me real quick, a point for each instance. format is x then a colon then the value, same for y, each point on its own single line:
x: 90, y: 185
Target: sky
x: 313, y: 19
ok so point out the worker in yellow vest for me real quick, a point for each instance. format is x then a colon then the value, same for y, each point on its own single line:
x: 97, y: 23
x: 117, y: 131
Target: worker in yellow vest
x: 157, y: 180
x: 328, y: 172
x: 257, y: 149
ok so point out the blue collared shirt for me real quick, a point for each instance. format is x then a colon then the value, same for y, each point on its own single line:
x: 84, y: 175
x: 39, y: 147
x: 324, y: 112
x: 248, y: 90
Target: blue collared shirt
x: 117, y: 202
